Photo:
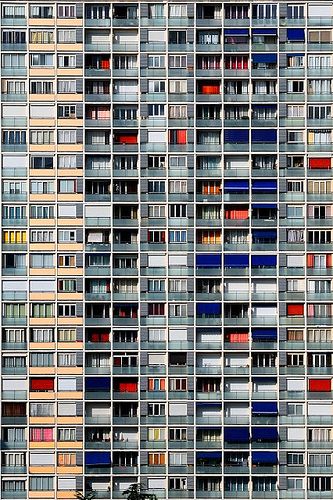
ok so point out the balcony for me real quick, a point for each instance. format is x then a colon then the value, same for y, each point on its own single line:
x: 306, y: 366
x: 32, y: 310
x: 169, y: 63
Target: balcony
x: 13, y: 445
x: 98, y: 47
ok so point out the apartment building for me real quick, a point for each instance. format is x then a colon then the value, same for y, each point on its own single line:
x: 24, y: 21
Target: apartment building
x: 167, y: 249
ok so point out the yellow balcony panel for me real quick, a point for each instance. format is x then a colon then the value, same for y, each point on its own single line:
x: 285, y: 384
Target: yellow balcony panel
x: 70, y: 122
x: 42, y: 72
x: 41, y: 494
x: 41, y: 22
x: 42, y: 122
x: 70, y: 22
x: 70, y: 172
x: 42, y: 345
x: 69, y: 421
x: 70, y: 271
x: 68, y: 445
x: 70, y: 247
x: 69, y: 72
x: 43, y: 197
x: 42, y: 321
x: 70, y: 321
x: 70, y: 47
x: 42, y: 272
x: 68, y: 470
x: 42, y: 222
x: 76, y: 395
x: 42, y: 296
x: 43, y: 370
x: 42, y: 148
x: 67, y: 495
x: 41, y: 421
x: 70, y: 222
x: 70, y: 296
x: 70, y: 345
x: 42, y: 246
x: 70, y: 97
x: 42, y: 172
x: 41, y: 469
x: 42, y: 444
x: 47, y: 47
x: 70, y: 370
x: 42, y: 97
x: 45, y: 396
x: 77, y: 197
x: 70, y: 148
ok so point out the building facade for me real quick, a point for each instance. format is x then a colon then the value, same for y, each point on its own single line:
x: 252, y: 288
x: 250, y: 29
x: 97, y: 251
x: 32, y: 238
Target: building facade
x: 167, y: 249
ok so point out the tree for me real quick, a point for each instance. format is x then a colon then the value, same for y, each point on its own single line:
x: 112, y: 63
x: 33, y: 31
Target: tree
x: 135, y: 492
x: 89, y: 496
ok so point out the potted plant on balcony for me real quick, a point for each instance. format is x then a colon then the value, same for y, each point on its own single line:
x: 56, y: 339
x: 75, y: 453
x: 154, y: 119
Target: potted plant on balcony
x: 88, y: 496
x: 135, y: 492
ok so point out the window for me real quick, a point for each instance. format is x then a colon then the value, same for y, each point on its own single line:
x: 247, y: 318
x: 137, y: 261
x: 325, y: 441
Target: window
x: 156, y: 61
x: 41, y: 359
x: 156, y: 211
x: 67, y: 161
x: 66, y: 36
x: 156, y: 10
x: 13, y: 11
x: 66, y: 460
x: 295, y: 11
x: 295, y: 86
x: 66, y: 86
x: 156, y: 186
x: 41, y: 12
x: 41, y: 36
x: 66, y: 434
x: 41, y: 187
x: 295, y: 111
x: 156, y: 86
x: 41, y: 236
x: 66, y: 335
x: 177, y: 61
x: 178, y: 111
x: 14, y: 237
x: 156, y: 384
x: 42, y: 310
x: 156, y: 110
x: 67, y: 11
x: 156, y: 409
x: 156, y: 335
x: 66, y: 260
x: 295, y: 136
x: 66, y: 111
x: 67, y: 61
x: 176, y: 211
x: 42, y: 212
x: 156, y: 458
x: 177, y: 86
x: 15, y: 137
x: 178, y: 458
x: 156, y: 434
x: 67, y: 186
x: 67, y: 236
x: 41, y: 60
x: 156, y: 285
x: 42, y: 137
x: 178, y: 10
x: 178, y: 186
x: 66, y: 310
x: 177, y: 384
x: 67, y: 285
x: 67, y: 359
x: 42, y: 335
x: 177, y: 236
